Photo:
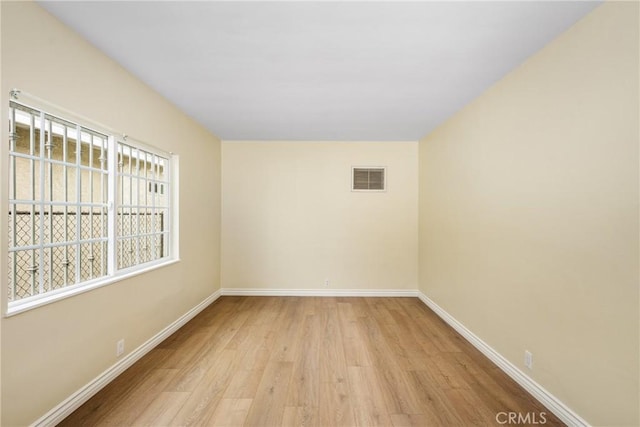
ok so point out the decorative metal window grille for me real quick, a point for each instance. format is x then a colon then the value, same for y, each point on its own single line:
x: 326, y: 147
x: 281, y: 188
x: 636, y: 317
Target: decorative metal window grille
x: 58, y: 203
x: 368, y: 179
x: 143, y: 216
x: 79, y: 205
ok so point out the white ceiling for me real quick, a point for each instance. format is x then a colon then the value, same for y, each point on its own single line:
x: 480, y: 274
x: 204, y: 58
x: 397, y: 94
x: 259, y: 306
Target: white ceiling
x: 319, y: 70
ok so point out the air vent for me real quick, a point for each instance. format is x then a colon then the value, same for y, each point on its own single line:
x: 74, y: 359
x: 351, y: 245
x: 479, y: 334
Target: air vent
x: 368, y: 179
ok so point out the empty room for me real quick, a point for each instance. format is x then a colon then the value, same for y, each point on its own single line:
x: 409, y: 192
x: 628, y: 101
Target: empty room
x: 320, y: 213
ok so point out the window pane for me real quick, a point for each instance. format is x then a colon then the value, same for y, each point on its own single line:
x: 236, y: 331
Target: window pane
x: 162, y: 216
x: 145, y: 206
x: 145, y: 249
x: 72, y: 252
x: 126, y: 253
x: 60, y: 267
x: 71, y: 223
x: 23, y: 175
x: 157, y: 246
x: 71, y: 146
x: 70, y: 188
x: 135, y: 195
x: 44, y: 242
x: 58, y: 216
x: 89, y: 262
x: 58, y: 226
x: 26, y: 273
x: 24, y: 226
x: 84, y: 149
x: 120, y: 222
x: 54, y: 180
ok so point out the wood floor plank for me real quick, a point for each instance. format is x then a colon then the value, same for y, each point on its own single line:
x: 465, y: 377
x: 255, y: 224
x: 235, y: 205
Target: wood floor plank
x: 360, y: 307
x: 336, y: 403
x: 411, y: 420
x: 269, y: 403
x: 230, y: 413
x: 355, y: 350
x: 288, y: 325
x: 332, y: 354
x: 105, y: 402
x: 304, y: 385
x: 162, y: 410
x: 369, y: 407
x: 471, y: 408
x: 213, y: 342
x: 436, y: 407
x: 244, y: 384
x: 407, y: 339
x: 206, y: 395
x: 293, y: 361
x: 394, y: 384
x: 138, y: 399
x: 189, y: 351
x: 300, y: 416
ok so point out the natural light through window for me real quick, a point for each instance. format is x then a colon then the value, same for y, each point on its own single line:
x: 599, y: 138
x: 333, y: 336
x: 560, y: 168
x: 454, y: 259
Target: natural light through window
x: 85, y: 206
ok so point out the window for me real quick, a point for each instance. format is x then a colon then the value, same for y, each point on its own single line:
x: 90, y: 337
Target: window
x: 143, y: 216
x: 85, y: 207
x: 368, y: 179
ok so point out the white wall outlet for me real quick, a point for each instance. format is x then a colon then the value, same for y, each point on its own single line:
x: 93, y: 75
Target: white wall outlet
x: 528, y: 359
x: 326, y: 283
x: 120, y: 348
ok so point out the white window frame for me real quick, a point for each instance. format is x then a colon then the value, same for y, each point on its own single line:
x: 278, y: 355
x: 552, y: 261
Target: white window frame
x: 113, y: 274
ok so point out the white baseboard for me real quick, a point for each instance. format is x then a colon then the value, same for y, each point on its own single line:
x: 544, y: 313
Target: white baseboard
x: 73, y: 402
x: 552, y: 403
x: 319, y: 292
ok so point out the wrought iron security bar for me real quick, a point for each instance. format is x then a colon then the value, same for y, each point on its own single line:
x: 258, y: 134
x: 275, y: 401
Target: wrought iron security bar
x: 82, y: 204
x: 57, y: 170
x: 93, y: 252
x: 140, y: 174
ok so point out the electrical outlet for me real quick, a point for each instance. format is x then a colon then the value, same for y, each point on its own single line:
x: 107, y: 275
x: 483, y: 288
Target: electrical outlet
x: 326, y: 283
x: 528, y: 359
x: 120, y: 348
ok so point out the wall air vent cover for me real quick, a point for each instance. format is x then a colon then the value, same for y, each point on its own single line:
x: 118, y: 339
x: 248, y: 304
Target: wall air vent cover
x: 368, y: 179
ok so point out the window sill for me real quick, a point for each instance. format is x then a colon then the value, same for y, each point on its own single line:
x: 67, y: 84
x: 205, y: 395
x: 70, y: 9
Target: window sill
x: 23, y: 306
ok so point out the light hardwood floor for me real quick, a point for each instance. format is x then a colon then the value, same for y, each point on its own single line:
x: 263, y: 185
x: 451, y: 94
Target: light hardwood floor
x: 294, y: 361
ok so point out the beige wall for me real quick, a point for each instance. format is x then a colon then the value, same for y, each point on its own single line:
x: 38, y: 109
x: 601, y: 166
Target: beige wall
x: 290, y: 219
x: 52, y: 351
x: 529, y: 216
